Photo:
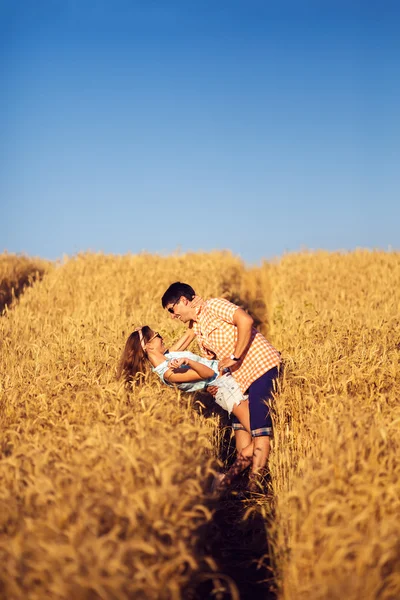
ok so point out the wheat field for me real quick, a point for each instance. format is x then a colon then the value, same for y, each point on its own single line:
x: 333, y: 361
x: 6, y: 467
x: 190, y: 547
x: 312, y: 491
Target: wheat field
x: 16, y: 273
x: 105, y: 492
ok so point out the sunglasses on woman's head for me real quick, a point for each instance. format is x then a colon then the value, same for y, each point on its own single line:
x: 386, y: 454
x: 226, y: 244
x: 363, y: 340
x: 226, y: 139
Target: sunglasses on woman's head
x: 153, y: 337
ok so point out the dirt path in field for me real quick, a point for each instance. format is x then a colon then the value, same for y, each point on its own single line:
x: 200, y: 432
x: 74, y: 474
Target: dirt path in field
x: 239, y: 547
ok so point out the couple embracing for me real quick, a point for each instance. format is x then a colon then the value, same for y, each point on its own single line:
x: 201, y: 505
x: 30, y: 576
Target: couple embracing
x: 238, y: 366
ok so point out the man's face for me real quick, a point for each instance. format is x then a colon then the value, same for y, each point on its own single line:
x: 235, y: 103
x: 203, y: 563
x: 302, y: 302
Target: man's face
x: 180, y: 309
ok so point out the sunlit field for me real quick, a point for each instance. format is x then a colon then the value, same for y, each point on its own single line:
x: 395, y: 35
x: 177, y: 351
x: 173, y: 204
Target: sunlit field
x: 105, y: 492
x: 16, y: 273
x: 336, y: 467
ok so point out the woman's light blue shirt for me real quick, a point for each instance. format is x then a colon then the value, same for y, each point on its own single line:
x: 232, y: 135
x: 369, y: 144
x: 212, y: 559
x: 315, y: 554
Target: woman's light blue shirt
x: 189, y: 386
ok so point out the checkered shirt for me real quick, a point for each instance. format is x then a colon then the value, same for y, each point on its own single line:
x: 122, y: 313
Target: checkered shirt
x: 217, y: 335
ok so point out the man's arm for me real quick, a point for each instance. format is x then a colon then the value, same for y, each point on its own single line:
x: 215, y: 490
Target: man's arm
x: 184, y: 341
x: 244, y: 323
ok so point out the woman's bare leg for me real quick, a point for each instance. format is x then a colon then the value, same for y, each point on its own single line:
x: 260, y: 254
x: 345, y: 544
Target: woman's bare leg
x: 244, y: 447
x: 240, y: 464
x: 242, y: 412
x: 242, y: 440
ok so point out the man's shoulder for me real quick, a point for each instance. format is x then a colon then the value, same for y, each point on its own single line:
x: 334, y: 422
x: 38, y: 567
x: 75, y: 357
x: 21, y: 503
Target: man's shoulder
x: 221, y: 305
x: 218, y: 309
x: 212, y: 302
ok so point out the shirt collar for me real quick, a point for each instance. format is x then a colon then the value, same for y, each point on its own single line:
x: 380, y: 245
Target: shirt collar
x: 200, y: 304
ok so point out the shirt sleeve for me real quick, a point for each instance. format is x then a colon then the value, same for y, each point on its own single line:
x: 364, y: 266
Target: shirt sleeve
x: 161, y: 370
x: 223, y: 309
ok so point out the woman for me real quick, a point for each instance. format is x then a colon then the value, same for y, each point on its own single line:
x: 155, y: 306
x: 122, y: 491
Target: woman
x: 189, y: 372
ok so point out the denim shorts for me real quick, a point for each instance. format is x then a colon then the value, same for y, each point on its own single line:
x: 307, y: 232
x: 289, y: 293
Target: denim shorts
x: 229, y: 393
x: 260, y: 391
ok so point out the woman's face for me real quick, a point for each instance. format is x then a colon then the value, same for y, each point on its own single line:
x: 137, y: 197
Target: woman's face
x: 155, y: 343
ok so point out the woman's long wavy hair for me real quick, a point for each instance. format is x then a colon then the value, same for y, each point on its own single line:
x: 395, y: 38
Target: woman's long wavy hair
x: 133, y: 363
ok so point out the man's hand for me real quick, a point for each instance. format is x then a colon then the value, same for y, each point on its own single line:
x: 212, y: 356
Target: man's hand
x: 225, y: 363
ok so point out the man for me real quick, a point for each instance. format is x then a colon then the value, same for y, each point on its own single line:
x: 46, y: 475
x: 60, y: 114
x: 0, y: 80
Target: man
x: 226, y: 331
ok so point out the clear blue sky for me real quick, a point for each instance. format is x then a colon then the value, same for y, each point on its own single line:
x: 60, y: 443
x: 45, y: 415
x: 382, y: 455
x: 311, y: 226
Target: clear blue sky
x: 200, y: 124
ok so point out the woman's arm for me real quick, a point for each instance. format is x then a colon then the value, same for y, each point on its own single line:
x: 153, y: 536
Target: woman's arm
x: 184, y: 341
x: 196, y: 372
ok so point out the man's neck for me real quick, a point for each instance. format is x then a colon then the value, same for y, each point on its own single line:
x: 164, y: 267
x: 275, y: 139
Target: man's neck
x: 198, y: 304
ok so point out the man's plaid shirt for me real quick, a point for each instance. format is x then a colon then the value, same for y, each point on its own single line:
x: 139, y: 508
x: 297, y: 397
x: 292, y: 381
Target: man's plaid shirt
x: 217, y: 335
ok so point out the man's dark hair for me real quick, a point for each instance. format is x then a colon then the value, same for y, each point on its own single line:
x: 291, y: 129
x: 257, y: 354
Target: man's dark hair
x: 175, y: 291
